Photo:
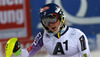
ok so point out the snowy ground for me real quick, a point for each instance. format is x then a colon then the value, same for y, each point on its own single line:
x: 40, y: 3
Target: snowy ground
x: 95, y: 53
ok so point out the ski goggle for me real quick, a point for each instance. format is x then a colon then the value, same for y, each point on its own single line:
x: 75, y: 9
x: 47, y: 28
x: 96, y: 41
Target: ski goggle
x: 51, y: 18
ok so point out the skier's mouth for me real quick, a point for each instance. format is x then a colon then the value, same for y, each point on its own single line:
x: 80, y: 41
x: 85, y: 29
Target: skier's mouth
x: 53, y: 28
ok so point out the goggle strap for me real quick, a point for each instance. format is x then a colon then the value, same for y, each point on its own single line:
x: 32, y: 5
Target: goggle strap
x: 59, y: 35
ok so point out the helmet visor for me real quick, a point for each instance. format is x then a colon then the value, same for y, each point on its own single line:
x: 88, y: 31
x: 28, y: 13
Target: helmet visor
x: 51, y: 18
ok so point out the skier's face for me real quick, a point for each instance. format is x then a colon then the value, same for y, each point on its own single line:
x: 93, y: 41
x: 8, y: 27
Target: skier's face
x: 54, y: 26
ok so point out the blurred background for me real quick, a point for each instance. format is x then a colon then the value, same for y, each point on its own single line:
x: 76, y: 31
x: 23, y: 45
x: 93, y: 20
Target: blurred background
x: 20, y: 18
